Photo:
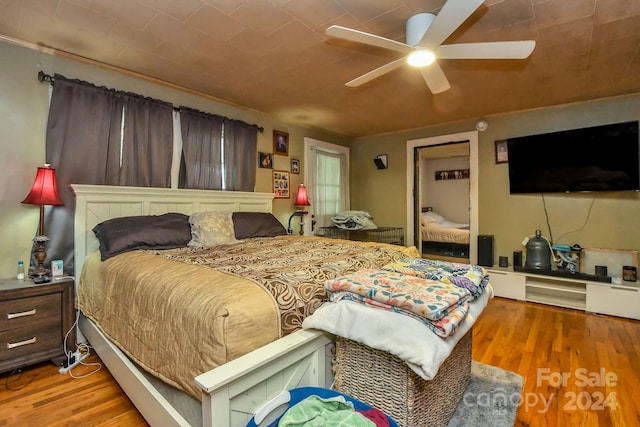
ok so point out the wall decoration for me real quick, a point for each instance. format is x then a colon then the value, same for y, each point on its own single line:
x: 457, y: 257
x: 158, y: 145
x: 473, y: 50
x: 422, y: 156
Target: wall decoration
x: 452, y: 174
x: 501, y: 151
x: 381, y: 161
x: 295, y: 165
x: 281, y: 182
x: 265, y: 160
x: 280, y: 143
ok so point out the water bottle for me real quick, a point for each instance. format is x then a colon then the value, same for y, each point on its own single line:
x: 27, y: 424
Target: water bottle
x: 538, y: 253
x: 20, y: 275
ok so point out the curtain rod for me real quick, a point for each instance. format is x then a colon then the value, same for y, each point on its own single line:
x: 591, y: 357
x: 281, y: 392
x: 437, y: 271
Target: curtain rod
x: 42, y: 77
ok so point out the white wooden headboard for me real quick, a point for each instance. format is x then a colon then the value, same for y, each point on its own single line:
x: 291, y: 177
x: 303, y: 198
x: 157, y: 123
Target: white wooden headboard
x: 98, y: 203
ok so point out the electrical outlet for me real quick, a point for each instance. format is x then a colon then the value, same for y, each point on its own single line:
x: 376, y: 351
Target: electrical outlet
x: 72, y: 361
x: 525, y: 241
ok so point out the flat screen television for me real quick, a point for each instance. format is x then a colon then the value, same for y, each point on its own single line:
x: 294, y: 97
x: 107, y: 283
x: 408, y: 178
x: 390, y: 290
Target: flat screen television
x: 600, y: 158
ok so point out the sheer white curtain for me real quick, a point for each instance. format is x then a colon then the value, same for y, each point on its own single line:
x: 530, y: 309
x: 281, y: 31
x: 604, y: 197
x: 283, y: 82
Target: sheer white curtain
x: 327, y: 177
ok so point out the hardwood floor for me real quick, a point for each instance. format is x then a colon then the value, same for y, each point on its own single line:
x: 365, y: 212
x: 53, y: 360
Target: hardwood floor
x: 599, y: 357
x: 40, y: 396
x: 585, y: 366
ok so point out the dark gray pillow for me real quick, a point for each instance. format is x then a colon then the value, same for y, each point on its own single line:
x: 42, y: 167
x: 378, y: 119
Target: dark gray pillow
x: 119, y: 235
x: 256, y: 224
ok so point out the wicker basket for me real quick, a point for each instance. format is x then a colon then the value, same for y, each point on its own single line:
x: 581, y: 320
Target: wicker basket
x: 386, y: 382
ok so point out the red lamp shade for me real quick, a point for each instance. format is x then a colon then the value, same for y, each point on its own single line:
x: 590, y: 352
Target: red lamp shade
x: 302, y: 199
x: 45, y: 189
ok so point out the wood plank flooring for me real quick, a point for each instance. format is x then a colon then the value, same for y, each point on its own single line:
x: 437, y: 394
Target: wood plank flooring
x: 599, y: 357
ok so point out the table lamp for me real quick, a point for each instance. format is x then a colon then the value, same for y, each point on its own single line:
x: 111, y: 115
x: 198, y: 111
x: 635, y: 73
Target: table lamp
x: 44, y: 192
x: 301, y: 200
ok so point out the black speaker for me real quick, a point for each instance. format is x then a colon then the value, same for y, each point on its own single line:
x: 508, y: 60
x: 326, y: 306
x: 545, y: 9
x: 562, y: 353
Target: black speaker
x: 485, y: 250
x: 517, y: 258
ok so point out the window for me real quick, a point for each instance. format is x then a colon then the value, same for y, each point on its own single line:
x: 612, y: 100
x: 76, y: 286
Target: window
x: 327, y: 177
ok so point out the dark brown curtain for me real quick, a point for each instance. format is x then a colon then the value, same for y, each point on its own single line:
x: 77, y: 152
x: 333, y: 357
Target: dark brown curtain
x: 83, y: 145
x: 201, y: 166
x: 240, y: 155
x: 147, y: 143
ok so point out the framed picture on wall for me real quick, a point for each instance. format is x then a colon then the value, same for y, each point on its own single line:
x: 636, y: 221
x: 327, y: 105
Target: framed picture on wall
x: 501, y: 151
x: 295, y: 165
x: 281, y: 184
x: 265, y: 160
x: 280, y: 143
x: 452, y: 174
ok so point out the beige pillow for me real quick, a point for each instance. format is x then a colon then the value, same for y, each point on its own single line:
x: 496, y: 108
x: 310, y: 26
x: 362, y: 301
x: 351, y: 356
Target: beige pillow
x: 211, y: 228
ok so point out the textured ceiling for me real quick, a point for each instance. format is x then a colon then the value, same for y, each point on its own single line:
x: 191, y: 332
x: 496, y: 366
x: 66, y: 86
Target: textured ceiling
x: 273, y: 55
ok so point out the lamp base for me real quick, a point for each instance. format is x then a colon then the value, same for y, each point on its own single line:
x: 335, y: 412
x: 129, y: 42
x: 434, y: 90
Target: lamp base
x: 301, y: 214
x: 41, y: 279
x: 40, y: 273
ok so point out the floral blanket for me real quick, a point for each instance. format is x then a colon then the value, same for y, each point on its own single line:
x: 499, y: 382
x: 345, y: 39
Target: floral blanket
x: 471, y: 277
x: 440, y: 306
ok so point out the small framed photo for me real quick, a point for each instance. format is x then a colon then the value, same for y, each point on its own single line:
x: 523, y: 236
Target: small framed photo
x: 280, y: 143
x: 295, y: 165
x: 56, y: 268
x: 452, y: 174
x: 281, y: 184
x: 265, y: 160
x: 502, y: 156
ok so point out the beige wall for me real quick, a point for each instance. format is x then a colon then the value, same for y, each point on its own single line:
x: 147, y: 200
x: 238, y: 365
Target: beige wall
x: 23, y: 117
x: 613, y: 221
x: 449, y: 198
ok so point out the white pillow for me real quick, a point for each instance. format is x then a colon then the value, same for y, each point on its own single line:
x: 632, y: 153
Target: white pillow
x: 212, y: 228
x: 429, y: 217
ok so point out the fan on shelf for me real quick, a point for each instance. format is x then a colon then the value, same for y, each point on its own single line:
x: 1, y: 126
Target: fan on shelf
x: 425, y: 33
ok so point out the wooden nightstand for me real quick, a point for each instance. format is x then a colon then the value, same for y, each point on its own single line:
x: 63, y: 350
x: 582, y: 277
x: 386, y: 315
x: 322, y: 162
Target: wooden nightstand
x: 34, y: 319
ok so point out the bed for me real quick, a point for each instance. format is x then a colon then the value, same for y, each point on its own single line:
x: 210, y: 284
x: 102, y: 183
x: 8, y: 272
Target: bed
x: 443, y: 237
x: 261, y: 354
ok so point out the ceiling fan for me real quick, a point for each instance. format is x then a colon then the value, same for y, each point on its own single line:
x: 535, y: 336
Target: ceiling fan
x: 423, y: 48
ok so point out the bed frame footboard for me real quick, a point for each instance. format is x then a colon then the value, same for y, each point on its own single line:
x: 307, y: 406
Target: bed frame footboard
x: 232, y: 393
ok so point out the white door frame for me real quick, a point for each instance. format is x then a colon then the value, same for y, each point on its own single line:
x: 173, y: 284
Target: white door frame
x: 474, y: 221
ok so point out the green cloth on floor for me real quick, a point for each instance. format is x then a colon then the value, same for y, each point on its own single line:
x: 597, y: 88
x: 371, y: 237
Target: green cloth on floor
x: 316, y: 411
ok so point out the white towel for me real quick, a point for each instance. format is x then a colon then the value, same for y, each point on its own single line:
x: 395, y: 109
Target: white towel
x: 395, y: 333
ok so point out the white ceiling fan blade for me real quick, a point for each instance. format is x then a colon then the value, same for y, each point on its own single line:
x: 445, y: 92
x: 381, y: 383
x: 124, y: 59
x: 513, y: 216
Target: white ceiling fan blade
x: 376, y: 73
x: 487, y: 50
x: 451, y: 16
x: 435, y: 78
x: 366, y: 38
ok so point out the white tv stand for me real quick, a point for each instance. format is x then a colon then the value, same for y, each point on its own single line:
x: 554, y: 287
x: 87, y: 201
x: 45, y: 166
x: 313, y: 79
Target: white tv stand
x: 598, y: 297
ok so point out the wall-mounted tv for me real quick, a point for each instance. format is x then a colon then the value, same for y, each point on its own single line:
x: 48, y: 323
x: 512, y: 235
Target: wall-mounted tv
x: 600, y: 158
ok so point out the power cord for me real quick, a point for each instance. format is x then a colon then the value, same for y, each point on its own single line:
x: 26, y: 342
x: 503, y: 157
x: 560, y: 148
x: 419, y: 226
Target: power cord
x: 546, y: 215
x: 84, y: 349
x: 75, y: 358
x: 8, y: 381
x: 586, y: 219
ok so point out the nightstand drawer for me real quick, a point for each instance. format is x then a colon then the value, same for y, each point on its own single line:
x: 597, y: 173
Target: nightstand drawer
x: 35, y: 321
x: 27, y: 340
x: 34, y: 311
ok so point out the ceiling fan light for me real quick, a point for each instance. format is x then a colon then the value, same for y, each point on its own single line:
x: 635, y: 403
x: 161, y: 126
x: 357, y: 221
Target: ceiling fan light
x: 421, y: 58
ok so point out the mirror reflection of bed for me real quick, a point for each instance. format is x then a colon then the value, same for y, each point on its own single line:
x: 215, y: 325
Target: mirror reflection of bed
x: 445, y: 202
x: 443, y: 238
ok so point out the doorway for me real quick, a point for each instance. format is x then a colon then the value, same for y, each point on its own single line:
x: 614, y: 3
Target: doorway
x: 414, y: 183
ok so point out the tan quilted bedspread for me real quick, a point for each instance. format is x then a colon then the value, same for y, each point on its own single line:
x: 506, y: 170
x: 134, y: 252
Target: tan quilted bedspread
x: 181, y: 312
